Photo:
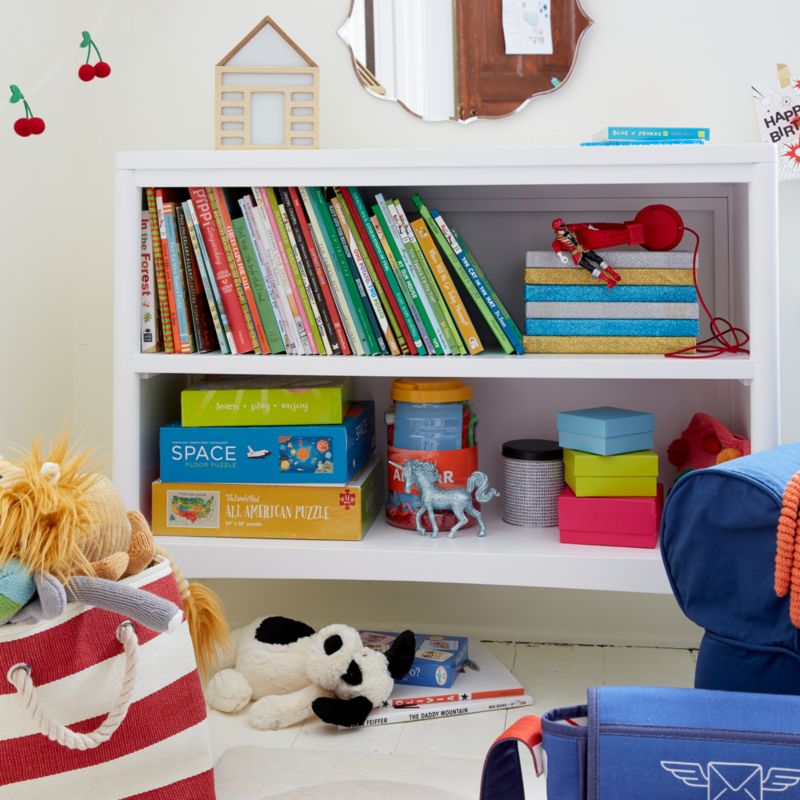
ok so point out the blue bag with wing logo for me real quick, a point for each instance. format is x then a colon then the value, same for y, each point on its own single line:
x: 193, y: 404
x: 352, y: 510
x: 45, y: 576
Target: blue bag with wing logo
x: 657, y: 744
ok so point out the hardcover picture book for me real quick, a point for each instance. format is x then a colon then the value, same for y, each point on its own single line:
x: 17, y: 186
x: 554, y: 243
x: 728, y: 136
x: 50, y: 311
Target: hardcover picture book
x: 438, y: 659
x: 309, y: 270
x: 484, y: 684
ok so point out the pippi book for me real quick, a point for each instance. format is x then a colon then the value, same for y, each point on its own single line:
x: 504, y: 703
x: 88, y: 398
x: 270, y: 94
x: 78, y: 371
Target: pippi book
x: 270, y: 511
x: 270, y: 454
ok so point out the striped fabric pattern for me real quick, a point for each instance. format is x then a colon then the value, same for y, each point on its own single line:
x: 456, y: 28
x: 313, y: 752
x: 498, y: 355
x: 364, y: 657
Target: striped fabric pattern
x: 161, y: 750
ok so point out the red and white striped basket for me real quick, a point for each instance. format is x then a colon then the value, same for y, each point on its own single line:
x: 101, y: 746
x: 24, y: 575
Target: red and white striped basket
x: 131, y: 697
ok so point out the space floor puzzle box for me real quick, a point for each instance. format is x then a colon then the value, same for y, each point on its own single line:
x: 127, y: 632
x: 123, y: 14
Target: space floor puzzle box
x: 270, y: 454
x: 270, y: 511
x: 437, y: 662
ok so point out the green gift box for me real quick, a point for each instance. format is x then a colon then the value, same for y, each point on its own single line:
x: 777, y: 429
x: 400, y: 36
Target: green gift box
x: 266, y: 401
x: 624, y: 475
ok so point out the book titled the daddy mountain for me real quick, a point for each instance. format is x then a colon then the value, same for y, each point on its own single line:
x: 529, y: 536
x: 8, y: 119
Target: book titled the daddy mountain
x: 483, y: 685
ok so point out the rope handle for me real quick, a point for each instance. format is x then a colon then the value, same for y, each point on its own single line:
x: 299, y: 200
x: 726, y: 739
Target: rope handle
x: 19, y: 676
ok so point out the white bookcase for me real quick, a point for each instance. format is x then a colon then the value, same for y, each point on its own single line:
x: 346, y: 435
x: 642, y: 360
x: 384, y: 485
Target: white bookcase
x: 502, y: 201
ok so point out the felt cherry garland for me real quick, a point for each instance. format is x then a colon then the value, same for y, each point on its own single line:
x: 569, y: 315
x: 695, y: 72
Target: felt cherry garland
x: 100, y: 69
x: 27, y: 125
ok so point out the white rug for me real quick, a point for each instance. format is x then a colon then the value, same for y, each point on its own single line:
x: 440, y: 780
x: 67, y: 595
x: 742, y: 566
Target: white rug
x: 260, y: 773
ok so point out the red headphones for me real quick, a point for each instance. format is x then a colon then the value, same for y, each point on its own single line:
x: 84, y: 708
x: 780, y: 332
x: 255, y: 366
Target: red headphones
x: 655, y: 227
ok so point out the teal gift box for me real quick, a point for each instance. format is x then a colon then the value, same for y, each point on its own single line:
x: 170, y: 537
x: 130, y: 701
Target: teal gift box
x: 605, y: 431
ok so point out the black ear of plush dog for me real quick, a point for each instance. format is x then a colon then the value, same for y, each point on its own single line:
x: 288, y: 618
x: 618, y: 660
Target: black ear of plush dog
x: 347, y: 713
x: 401, y: 654
x: 281, y: 630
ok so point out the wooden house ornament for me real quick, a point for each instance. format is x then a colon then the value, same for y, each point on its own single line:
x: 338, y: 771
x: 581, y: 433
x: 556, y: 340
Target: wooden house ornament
x: 267, y: 93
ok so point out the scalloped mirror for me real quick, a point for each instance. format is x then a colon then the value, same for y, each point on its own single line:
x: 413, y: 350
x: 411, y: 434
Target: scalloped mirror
x: 463, y: 59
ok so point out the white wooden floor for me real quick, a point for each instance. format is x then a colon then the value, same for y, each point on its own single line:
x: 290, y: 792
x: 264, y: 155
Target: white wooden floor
x: 554, y: 675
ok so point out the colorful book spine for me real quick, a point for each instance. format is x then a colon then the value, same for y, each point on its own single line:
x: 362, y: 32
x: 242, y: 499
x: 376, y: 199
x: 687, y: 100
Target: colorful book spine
x: 353, y: 269
x: 457, y: 309
x: 406, y: 291
x: 205, y: 340
x: 341, y: 292
x: 303, y: 260
x: 221, y: 270
x: 476, y: 266
x: 258, y: 286
x: 240, y: 270
x: 391, y: 289
x: 218, y: 318
x: 158, y: 267
x: 366, y: 279
x: 297, y: 263
x: 625, y: 133
x: 361, y: 317
x: 363, y: 262
x: 167, y: 272
x: 287, y: 272
x: 391, y: 715
x: 271, y: 271
x: 309, y: 252
x: 148, y: 330
x: 463, y: 275
x: 438, y: 303
x: 247, y: 312
x: 433, y: 343
x: 642, y: 142
x: 483, y: 286
x: 185, y: 333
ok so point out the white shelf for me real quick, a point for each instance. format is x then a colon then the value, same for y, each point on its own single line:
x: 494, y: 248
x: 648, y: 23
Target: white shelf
x: 486, y: 365
x: 505, y: 198
x: 508, y: 555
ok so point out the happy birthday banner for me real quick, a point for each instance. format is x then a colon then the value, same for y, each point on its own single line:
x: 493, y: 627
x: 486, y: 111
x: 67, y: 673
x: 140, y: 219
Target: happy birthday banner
x: 778, y: 109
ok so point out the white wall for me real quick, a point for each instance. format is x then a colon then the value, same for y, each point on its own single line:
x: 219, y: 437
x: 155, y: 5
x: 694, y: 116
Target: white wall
x: 681, y: 62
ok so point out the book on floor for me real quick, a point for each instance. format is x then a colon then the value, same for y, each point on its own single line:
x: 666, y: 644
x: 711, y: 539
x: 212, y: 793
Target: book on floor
x: 484, y: 684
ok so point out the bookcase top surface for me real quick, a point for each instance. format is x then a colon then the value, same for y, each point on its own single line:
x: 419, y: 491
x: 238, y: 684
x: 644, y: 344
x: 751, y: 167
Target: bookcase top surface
x: 455, y: 158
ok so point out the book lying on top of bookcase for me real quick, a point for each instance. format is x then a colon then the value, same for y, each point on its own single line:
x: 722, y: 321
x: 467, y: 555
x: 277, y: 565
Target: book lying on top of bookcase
x: 310, y: 271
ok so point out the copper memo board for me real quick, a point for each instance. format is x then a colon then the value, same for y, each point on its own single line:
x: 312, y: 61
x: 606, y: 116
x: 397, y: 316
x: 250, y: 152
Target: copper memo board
x: 493, y: 84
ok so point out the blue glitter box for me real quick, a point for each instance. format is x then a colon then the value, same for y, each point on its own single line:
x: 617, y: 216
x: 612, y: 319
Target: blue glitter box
x: 270, y: 454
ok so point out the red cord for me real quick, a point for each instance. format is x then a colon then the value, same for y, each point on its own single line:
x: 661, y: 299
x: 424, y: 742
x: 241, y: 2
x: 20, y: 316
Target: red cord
x: 725, y: 338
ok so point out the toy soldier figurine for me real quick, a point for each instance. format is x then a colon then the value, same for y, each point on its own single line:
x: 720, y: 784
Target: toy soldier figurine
x: 567, y: 242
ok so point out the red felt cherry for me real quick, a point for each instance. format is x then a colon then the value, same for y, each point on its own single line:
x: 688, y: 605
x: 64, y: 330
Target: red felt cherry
x: 102, y: 69
x: 36, y: 125
x: 86, y: 72
x: 22, y: 127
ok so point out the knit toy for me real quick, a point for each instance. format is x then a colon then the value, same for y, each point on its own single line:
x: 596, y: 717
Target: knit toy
x: 705, y: 442
x: 291, y: 672
x: 65, y: 534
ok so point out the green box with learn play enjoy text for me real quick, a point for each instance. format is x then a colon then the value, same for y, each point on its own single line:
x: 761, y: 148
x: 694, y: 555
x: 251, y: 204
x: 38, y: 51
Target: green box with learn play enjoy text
x: 266, y: 401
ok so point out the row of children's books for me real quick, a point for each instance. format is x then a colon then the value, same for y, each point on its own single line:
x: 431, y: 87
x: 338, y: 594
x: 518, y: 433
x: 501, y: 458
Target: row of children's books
x: 309, y: 271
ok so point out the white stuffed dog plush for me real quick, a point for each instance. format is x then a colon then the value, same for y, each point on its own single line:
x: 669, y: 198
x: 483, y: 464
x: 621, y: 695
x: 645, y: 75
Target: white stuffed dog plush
x: 291, y: 672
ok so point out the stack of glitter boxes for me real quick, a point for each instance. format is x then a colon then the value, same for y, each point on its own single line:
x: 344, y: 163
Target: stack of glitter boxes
x: 612, y: 496
x: 653, y: 309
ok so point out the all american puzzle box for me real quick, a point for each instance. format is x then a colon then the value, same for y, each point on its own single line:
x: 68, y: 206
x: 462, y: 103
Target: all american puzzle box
x: 281, y: 454
x: 270, y: 511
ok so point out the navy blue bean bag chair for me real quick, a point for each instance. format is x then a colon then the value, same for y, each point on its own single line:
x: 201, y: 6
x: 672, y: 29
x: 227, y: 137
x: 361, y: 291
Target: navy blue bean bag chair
x: 718, y: 542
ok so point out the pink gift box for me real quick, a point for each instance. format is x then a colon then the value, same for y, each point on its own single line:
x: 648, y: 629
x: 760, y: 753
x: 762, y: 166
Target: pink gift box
x: 614, y: 521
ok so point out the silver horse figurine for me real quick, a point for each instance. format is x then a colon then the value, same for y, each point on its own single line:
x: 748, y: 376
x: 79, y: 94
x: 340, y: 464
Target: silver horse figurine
x: 425, y: 476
